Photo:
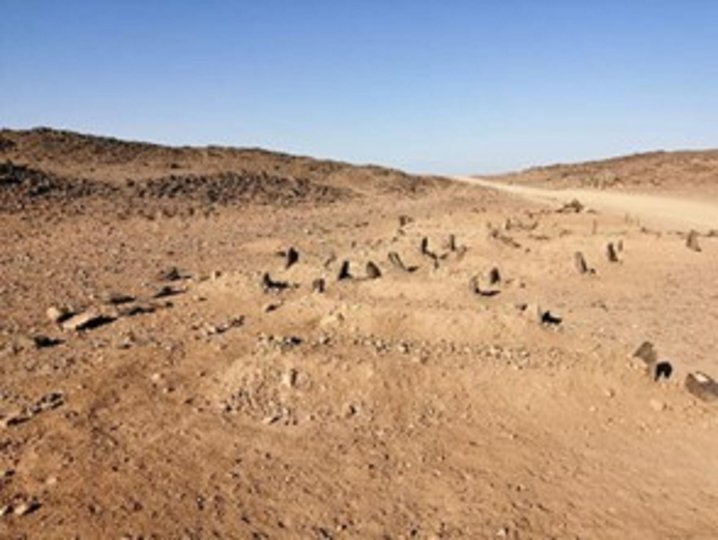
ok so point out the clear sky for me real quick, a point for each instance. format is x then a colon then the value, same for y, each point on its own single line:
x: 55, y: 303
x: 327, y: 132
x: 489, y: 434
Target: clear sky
x: 437, y: 86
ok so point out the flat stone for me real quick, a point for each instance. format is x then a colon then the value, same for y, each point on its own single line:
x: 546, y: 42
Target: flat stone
x: 87, y: 321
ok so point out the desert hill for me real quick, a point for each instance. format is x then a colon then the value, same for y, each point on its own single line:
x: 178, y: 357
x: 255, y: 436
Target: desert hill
x: 682, y: 170
x: 62, y: 166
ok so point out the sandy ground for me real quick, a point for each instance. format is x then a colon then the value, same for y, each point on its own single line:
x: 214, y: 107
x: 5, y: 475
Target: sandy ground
x: 666, y: 210
x: 405, y: 405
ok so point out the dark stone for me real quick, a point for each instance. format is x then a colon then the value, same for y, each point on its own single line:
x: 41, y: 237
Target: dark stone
x: 372, y: 271
x: 344, y: 272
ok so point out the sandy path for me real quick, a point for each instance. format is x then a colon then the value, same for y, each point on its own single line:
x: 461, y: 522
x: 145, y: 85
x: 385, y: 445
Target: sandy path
x: 653, y: 209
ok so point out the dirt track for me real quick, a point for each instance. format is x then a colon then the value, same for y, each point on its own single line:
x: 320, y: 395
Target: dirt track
x: 653, y: 210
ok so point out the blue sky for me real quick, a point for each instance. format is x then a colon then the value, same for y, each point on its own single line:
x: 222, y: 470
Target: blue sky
x: 435, y: 86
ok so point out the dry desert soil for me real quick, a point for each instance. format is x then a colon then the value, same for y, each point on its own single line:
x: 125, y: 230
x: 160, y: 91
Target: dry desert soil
x: 222, y: 343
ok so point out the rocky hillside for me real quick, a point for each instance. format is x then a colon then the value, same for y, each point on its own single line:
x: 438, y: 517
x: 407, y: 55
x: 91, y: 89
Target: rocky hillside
x: 51, y: 166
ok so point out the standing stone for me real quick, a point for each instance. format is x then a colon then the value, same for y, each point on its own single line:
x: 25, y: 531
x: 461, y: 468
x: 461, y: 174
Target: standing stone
x: 319, y: 285
x: 292, y: 257
x: 580, y: 263
x: 692, y: 241
x: 611, y: 254
x: 702, y: 386
x: 494, y: 276
x: 647, y: 353
x: 396, y: 261
x: 344, y: 272
x: 372, y: 271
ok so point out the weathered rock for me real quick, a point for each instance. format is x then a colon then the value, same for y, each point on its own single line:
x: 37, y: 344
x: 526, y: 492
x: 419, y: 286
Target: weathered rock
x: 548, y: 318
x: 269, y: 284
x: 87, y: 320
x: 405, y: 220
x: 58, y: 314
x: 166, y: 290
x: 579, y: 262
x: 611, y: 253
x: 493, y: 276
x: 319, y: 285
x: 573, y: 207
x: 170, y: 274
x: 42, y: 341
x: 215, y: 329
x: 116, y: 298
x: 702, y: 386
x: 344, y: 272
x: 656, y: 369
x: 48, y: 402
x: 486, y: 285
x: 372, y: 271
x: 291, y: 257
x: 647, y: 353
x: 397, y: 262
x: 692, y: 241
x: 26, y: 507
x: 140, y: 308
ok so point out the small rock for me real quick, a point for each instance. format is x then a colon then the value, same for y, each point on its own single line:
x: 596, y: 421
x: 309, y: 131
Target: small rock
x: 25, y: 508
x: 272, y: 307
x: 372, y: 271
x: 116, y: 298
x: 395, y: 260
x: 170, y: 274
x: 269, y: 284
x: 344, y: 272
x: 573, y: 207
x: 611, y: 253
x: 702, y: 386
x: 319, y: 285
x: 289, y: 378
x: 291, y: 257
x: 87, y: 320
x: 404, y: 220
x: 166, y: 290
x: 579, y: 262
x: 647, y: 353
